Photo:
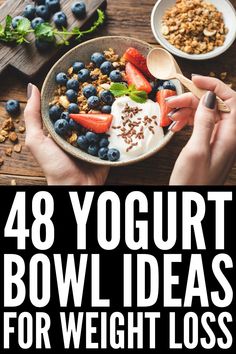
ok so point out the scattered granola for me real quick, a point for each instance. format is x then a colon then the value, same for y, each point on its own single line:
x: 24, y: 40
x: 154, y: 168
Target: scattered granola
x: 1, y: 161
x: 21, y: 129
x: 13, y: 137
x: 194, y: 26
x: 17, y: 148
x: 8, y: 152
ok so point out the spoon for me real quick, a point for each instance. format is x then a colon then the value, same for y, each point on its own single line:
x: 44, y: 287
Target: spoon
x: 162, y: 66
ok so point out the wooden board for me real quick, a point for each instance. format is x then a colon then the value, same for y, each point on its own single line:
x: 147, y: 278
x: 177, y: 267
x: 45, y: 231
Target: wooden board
x: 26, y: 59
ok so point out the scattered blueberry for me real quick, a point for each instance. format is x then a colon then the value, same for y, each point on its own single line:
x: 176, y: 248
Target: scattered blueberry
x: 13, y: 107
x: 106, y: 109
x: 43, y: 11
x: 106, y: 67
x: 155, y: 86
x: 53, y: 5
x: 113, y: 155
x: 44, y: 45
x: 115, y: 76
x: 73, y: 125
x: 55, y: 112
x: 29, y: 12
x: 16, y: 20
x: 72, y: 84
x: 60, y: 19
x: 61, y: 79
x: 102, y: 153
x: 71, y: 95
x: 93, y: 102
x: 107, y: 97
x: 79, y: 9
x: 93, y: 150
x: 61, y: 127
x: 84, y: 75
x: 65, y: 115
x: 168, y: 85
x: 77, y: 66
x: 97, y: 59
x: 36, y: 21
x: 82, y: 142
x: 73, y: 108
x: 160, y: 88
x: 104, y: 142
x: 40, y: 2
x: 89, y: 91
x: 92, y: 138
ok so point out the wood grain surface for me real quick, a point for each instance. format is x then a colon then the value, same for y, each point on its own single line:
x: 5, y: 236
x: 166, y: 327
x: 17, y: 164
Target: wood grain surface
x: 26, y: 58
x: 124, y: 17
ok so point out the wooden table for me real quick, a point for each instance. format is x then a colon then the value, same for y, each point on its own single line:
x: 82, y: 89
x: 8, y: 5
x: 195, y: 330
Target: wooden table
x: 124, y: 17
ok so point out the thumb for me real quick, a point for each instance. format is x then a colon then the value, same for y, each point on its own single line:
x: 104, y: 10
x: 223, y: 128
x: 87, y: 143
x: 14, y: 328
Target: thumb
x: 32, y: 113
x: 204, y: 121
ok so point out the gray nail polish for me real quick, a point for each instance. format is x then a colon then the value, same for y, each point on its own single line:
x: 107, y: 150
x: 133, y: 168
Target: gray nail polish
x: 29, y: 90
x: 170, y: 98
x: 172, y: 125
x: 210, y: 100
x: 170, y: 115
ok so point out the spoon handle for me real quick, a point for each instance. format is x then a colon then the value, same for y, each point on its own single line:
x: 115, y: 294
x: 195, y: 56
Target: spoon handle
x: 199, y: 92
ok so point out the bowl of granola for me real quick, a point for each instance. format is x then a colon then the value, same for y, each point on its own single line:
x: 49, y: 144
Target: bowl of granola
x: 101, y: 104
x: 194, y: 29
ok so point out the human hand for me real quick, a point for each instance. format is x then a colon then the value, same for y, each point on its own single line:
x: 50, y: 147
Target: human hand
x: 210, y: 153
x: 58, y: 167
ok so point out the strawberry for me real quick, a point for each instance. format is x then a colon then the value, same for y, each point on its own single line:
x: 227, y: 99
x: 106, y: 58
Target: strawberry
x: 136, y: 78
x: 134, y: 57
x: 165, y: 110
x: 97, y: 123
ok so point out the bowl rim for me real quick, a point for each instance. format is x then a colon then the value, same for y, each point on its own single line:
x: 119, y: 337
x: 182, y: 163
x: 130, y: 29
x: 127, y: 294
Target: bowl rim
x: 181, y: 54
x: 61, y: 142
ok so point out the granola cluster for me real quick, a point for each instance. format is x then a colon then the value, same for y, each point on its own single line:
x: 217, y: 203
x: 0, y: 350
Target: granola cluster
x: 8, y: 132
x: 194, y: 26
x: 98, y: 79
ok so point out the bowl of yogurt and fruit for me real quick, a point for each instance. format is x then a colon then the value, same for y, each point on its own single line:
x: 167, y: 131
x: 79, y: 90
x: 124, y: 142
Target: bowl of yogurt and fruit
x: 101, y: 104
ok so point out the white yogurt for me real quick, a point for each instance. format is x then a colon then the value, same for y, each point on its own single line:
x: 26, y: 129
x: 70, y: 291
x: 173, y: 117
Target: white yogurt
x: 150, y: 139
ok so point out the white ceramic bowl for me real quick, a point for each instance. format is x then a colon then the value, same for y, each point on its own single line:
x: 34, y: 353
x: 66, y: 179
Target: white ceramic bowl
x: 223, y: 6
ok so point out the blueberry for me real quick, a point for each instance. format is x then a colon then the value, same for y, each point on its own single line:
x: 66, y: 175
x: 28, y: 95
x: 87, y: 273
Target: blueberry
x: 104, y: 142
x: 113, y: 155
x: 102, y: 153
x: 115, y: 76
x: 13, y: 107
x: 43, y: 11
x: 82, y: 142
x: 73, y: 108
x: 65, y: 115
x: 29, y: 12
x: 92, y: 138
x: 73, y: 125
x: 53, y: 5
x: 89, y: 91
x: 71, y: 95
x: 84, y: 75
x: 168, y: 85
x: 106, y: 109
x: 93, y: 150
x: 36, y: 21
x: 107, y: 97
x: 40, y: 2
x: 106, y: 67
x: 79, y: 9
x: 97, y: 59
x: 43, y: 45
x: 160, y: 88
x: 93, y: 102
x: 61, y: 127
x: 77, y: 66
x: 16, y: 20
x: 72, y: 84
x: 61, y: 79
x: 60, y: 19
x: 55, y: 112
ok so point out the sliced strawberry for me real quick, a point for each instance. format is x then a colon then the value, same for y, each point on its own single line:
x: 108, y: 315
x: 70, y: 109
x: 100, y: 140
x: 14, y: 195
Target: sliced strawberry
x: 133, y: 56
x: 136, y: 78
x: 98, y: 123
x: 165, y: 110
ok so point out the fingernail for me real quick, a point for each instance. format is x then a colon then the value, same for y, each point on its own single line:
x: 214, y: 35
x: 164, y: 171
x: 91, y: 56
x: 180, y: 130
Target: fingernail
x: 170, y: 115
x: 172, y: 125
x: 170, y: 98
x: 194, y: 74
x: 210, y: 100
x: 29, y: 90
